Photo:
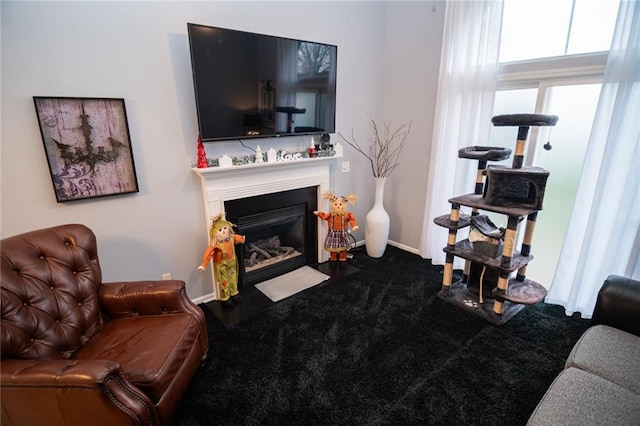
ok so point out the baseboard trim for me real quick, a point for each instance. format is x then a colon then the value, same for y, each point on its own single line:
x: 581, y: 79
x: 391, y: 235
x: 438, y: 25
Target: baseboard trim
x: 395, y: 244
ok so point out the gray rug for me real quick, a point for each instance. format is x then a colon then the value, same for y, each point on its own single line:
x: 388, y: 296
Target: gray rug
x: 291, y: 283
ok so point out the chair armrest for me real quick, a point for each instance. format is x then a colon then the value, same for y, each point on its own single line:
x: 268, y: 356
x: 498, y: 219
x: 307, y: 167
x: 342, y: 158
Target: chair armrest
x: 618, y: 304
x: 125, y: 299
x: 72, y: 392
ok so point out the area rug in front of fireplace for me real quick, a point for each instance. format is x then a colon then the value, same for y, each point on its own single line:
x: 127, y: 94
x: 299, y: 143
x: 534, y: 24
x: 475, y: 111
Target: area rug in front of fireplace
x: 286, y: 285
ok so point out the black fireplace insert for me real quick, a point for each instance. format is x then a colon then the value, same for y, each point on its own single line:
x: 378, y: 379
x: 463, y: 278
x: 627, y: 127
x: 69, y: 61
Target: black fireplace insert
x: 280, y: 230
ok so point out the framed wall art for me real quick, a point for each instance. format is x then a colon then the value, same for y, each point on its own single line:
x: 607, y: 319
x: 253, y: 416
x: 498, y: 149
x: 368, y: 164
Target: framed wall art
x: 88, y: 147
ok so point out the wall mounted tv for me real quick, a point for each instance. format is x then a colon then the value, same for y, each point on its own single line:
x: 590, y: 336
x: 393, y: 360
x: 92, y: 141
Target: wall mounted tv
x: 251, y: 85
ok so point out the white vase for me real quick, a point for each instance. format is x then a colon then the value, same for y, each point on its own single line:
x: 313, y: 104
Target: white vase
x: 376, y: 226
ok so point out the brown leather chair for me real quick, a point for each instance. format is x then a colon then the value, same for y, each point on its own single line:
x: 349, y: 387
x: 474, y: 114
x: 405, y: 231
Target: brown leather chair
x: 77, y: 351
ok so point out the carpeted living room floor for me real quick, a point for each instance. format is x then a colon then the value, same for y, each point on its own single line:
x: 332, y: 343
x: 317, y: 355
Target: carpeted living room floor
x: 377, y: 347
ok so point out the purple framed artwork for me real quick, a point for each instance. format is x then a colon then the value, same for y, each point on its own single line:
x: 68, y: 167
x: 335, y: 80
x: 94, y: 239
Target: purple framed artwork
x: 88, y: 146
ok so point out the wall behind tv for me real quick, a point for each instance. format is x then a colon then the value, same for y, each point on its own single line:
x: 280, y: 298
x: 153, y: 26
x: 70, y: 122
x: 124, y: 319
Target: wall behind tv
x: 387, y: 69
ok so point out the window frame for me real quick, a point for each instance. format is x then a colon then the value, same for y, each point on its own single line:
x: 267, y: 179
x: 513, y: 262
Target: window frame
x: 544, y: 73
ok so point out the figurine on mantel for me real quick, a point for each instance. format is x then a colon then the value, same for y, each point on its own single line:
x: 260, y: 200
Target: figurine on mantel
x: 202, y: 155
x: 259, y: 157
x: 225, y: 263
x: 337, y: 242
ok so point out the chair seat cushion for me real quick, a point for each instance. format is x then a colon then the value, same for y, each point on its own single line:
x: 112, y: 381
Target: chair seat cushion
x: 610, y: 353
x: 149, y: 349
x: 577, y: 397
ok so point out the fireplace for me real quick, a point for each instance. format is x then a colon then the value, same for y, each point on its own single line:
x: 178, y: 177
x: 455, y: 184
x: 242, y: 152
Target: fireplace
x: 280, y: 233
x: 224, y: 188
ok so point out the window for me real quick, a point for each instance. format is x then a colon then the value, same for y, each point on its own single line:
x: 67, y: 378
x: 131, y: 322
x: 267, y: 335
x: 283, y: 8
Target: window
x: 552, y: 59
x: 545, y: 28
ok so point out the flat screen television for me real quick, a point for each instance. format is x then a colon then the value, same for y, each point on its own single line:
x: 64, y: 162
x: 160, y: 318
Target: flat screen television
x: 251, y: 85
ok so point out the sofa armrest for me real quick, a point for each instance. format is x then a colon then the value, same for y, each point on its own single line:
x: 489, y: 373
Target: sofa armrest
x: 125, y: 299
x: 72, y: 392
x: 618, y: 304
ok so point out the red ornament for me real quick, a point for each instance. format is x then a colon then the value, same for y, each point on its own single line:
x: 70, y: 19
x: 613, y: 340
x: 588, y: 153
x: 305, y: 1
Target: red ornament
x: 202, y: 156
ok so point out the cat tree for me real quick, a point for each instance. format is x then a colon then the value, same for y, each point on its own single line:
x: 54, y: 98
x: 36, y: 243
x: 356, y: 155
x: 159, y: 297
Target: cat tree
x: 487, y: 287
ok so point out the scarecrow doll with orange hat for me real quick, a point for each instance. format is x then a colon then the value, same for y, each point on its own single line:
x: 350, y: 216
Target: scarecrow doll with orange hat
x: 337, y: 241
x: 225, y: 263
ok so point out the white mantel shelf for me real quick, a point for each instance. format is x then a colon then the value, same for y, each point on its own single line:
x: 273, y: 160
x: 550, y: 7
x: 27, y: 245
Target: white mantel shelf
x: 257, y: 167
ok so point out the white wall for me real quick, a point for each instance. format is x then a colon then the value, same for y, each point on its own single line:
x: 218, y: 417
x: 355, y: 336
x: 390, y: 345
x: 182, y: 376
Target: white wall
x: 414, y: 37
x: 388, y: 58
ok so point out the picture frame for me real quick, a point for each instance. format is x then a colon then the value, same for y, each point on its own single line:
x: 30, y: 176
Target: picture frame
x: 87, y: 145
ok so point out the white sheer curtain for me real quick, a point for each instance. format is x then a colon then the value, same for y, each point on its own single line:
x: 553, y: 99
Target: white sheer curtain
x: 286, y: 79
x: 604, y: 232
x: 464, y: 108
x: 330, y: 110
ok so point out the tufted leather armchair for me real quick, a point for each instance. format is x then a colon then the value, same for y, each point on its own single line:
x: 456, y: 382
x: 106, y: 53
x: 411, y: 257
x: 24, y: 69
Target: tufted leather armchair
x: 77, y: 351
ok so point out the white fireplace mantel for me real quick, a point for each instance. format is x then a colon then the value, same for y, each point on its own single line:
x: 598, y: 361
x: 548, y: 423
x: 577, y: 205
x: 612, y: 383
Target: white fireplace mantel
x: 256, y: 169
x: 220, y: 184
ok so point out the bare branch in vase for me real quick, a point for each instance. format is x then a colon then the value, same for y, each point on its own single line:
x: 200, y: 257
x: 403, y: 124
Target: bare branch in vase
x: 385, y: 147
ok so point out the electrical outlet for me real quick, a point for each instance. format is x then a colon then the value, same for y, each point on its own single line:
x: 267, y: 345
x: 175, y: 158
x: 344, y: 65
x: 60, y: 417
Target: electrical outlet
x: 166, y: 276
x: 346, y: 167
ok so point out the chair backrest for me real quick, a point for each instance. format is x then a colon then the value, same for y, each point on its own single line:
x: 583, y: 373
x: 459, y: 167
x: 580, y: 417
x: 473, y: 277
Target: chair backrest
x: 618, y: 304
x: 49, y: 281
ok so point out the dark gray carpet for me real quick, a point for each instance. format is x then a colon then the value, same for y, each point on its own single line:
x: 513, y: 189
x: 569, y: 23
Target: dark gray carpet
x: 378, y: 347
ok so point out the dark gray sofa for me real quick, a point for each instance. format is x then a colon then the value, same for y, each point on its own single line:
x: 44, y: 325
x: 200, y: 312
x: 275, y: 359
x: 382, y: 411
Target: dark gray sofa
x: 600, y: 384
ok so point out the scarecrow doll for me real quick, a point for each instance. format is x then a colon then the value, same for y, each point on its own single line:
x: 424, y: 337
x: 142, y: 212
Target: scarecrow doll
x: 225, y: 263
x: 337, y: 241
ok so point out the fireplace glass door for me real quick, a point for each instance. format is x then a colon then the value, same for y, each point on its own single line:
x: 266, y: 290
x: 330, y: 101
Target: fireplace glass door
x: 275, y: 243
x: 280, y: 231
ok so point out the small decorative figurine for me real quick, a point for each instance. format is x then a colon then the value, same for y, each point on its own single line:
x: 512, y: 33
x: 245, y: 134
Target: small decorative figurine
x: 225, y: 263
x: 202, y: 155
x: 337, y: 241
x: 312, y: 149
x: 272, y: 155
